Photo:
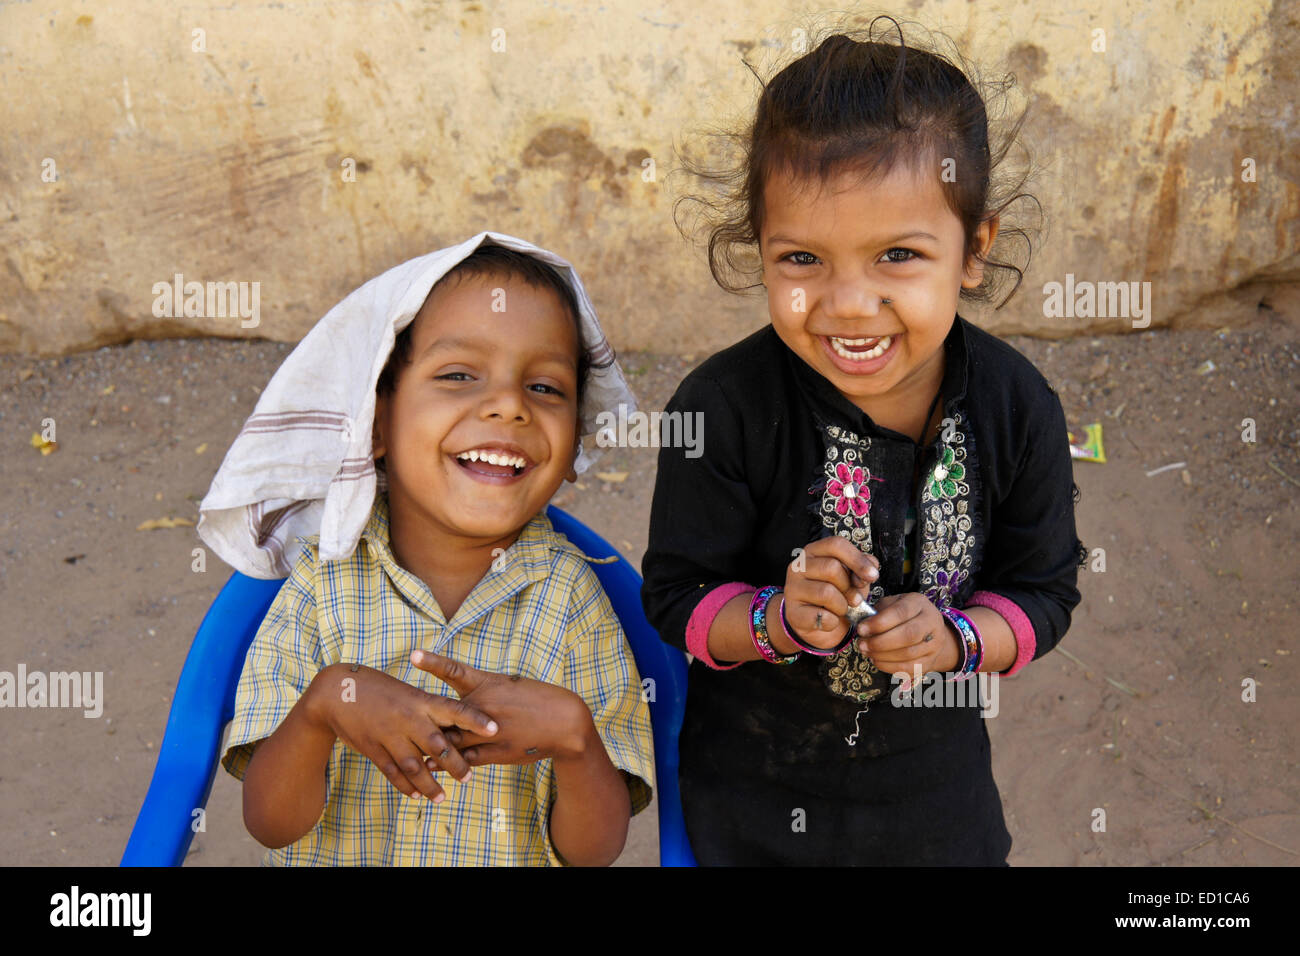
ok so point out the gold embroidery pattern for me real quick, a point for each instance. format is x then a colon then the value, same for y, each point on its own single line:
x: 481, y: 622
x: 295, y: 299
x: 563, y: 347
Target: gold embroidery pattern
x: 848, y: 673
x: 948, y: 543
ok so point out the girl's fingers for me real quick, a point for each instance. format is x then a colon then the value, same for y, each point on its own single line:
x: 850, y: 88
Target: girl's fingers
x: 819, y: 595
x: 892, y: 611
x: 854, y: 560
x: 901, y: 655
x: 811, y: 618
x: 906, y: 640
x: 828, y: 570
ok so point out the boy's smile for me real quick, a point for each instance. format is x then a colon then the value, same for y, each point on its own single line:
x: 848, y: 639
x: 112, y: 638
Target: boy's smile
x: 482, y: 426
x: 863, y: 279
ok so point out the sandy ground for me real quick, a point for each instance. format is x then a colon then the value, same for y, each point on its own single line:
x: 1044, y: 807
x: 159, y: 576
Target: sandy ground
x: 1140, y: 713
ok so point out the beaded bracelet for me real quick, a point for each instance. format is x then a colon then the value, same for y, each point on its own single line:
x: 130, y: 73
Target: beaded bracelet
x: 758, y: 627
x: 972, y: 643
x: 818, y: 651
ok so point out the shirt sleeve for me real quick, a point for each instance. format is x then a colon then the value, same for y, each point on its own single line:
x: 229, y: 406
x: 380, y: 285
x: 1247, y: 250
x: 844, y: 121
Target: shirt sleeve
x: 282, y: 661
x: 702, y: 517
x: 600, y: 669
x: 1031, y: 557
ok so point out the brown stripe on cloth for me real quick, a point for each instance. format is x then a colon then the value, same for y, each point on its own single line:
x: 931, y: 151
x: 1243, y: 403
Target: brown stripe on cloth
x: 602, y: 356
x: 271, y: 522
x: 354, y: 469
x: 270, y: 424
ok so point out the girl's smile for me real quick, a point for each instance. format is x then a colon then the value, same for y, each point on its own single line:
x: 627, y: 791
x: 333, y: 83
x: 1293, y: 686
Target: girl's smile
x: 863, y: 275
x: 861, y: 356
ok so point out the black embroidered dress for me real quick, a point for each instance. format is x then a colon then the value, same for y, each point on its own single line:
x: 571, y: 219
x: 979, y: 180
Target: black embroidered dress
x: 787, y: 459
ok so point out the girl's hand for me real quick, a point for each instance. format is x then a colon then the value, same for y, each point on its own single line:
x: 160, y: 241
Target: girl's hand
x: 909, y: 636
x: 394, y: 725
x: 815, y: 598
x: 537, y: 720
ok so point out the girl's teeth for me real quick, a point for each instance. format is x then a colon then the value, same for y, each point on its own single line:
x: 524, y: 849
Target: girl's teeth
x: 879, y: 349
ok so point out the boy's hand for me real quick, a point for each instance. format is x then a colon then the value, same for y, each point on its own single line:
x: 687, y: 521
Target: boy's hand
x: 395, y: 725
x: 537, y: 720
x: 815, y: 602
x: 909, y: 636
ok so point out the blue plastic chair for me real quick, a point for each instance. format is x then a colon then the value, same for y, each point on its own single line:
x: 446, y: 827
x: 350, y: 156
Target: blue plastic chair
x: 205, y: 703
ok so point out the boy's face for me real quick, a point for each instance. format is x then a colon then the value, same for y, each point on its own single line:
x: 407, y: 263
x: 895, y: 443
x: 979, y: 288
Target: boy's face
x: 503, y: 383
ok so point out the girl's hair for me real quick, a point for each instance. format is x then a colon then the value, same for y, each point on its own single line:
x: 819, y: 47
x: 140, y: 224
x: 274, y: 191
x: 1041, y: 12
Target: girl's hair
x: 496, y: 261
x: 863, y: 104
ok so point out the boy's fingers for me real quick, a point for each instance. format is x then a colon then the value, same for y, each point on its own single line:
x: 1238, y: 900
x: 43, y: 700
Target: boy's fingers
x: 499, y: 753
x: 460, y: 739
x: 389, y: 767
x: 460, y: 676
x: 446, y: 712
x: 411, y: 763
x: 444, y: 753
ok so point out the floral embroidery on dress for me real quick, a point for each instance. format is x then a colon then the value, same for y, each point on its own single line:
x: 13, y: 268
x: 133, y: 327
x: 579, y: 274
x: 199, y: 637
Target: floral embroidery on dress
x: 947, y: 472
x: 950, y: 542
x: 949, y: 545
x: 849, y: 489
x: 844, y: 504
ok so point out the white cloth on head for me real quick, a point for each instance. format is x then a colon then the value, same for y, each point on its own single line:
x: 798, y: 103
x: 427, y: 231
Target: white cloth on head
x: 302, y: 463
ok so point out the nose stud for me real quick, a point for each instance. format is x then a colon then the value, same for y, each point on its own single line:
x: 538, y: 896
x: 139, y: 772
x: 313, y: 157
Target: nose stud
x: 886, y: 301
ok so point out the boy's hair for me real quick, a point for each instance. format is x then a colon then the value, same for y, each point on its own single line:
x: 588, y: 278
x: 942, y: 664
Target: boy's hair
x: 496, y: 261
x: 863, y: 105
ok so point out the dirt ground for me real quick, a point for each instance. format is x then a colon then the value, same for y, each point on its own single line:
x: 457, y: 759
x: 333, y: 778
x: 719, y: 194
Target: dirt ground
x: 1139, y: 713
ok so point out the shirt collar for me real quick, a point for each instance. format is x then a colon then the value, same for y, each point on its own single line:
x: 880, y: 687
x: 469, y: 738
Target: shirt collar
x: 528, y: 560
x: 819, y: 390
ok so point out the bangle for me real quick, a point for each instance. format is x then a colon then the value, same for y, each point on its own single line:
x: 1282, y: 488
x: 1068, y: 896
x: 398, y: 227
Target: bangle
x: 758, y: 628
x: 971, y: 642
x: 817, y: 651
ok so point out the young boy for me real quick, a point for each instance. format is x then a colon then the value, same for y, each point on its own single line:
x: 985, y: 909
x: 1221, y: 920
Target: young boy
x: 348, y: 734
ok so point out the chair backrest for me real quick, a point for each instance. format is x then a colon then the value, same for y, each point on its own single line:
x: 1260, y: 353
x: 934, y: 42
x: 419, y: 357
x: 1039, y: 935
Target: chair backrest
x: 663, y: 675
x: 205, y: 703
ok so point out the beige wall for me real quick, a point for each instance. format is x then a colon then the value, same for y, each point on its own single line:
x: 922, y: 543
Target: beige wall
x: 225, y: 164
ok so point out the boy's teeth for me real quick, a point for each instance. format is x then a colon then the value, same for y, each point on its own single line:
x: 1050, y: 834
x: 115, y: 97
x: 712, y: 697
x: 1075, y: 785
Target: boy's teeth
x: 841, y: 347
x: 493, y: 458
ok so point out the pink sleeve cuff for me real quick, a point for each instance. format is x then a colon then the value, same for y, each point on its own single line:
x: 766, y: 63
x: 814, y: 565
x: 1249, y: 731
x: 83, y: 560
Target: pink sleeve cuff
x: 697, y: 628
x: 1021, y: 627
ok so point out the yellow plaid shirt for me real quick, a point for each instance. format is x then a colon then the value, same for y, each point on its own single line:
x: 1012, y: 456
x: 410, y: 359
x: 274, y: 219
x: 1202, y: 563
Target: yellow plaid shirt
x: 543, y: 615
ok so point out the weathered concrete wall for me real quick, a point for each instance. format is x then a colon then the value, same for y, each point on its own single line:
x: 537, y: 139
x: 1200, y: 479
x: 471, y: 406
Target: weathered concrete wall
x: 142, y: 140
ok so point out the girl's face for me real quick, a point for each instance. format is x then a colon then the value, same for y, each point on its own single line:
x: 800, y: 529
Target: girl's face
x: 833, y: 251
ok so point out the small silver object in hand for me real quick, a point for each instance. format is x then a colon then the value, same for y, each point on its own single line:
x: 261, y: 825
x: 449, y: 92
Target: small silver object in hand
x: 860, y: 612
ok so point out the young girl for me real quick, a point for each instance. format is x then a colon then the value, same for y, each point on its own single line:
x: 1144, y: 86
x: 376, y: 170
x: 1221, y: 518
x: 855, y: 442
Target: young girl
x: 868, y: 443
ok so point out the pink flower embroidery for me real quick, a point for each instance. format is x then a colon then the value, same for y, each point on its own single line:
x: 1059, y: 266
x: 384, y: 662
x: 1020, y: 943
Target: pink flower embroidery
x: 849, y: 489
